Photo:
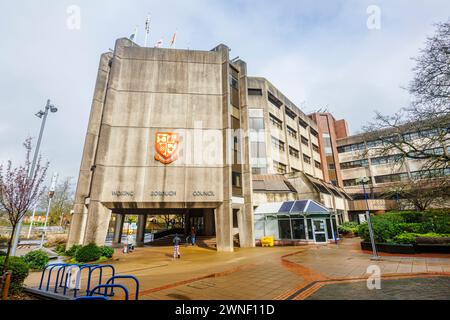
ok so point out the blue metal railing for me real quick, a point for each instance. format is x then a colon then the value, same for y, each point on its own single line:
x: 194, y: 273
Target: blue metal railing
x: 64, y: 276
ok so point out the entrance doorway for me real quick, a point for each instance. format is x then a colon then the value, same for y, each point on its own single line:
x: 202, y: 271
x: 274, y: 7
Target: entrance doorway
x: 319, y: 230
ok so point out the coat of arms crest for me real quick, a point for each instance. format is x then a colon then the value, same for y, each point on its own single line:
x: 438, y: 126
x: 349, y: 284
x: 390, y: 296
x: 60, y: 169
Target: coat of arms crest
x: 166, y: 145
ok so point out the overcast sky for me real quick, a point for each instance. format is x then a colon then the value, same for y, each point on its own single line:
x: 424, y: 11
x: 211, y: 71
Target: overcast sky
x: 319, y: 53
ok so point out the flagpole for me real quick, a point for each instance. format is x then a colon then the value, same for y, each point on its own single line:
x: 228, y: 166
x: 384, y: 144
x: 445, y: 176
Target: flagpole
x: 147, y: 30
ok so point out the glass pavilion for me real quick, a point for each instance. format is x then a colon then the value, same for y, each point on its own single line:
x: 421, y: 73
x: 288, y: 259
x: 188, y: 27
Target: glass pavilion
x: 295, y: 221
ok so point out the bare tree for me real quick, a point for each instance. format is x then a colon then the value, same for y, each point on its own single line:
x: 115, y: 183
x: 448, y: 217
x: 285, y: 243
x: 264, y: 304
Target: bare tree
x: 19, y: 192
x: 421, y: 130
x: 62, y: 202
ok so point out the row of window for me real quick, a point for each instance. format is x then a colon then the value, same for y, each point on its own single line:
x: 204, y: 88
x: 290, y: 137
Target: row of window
x: 377, y: 143
x: 355, y: 164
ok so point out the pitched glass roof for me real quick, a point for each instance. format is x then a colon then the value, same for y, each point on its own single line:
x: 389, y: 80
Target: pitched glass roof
x: 298, y: 206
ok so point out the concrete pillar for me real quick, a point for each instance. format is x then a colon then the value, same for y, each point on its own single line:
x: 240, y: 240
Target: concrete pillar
x: 142, y: 221
x: 117, y: 237
x: 77, y: 225
x: 208, y: 216
x: 224, y: 227
x: 97, y: 223
x: 246, y: 227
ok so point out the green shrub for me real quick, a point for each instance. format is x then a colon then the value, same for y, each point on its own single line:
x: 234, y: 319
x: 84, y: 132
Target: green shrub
x: 73, y: 250
x: 405, y: 238
x: 348, y: 227
x: 88, y: 253
x: 61, y: 249
x: 107, y: 251
x: 412, y: 227
x: 19, y: 269
x: 384, y: 229
x: 36, y: 259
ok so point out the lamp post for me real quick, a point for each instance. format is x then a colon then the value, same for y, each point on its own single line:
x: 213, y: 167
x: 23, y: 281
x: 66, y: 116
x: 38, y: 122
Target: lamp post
x: 363, y: 181
x: 51, y: 193
x: 42, y: 114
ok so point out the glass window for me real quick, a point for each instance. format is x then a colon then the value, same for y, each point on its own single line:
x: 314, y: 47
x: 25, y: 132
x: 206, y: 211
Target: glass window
x: 303, y: 123
x: 274, y: 100
x: 276, y: 122
x: 291, y: 132
x: 279, y: 167
x: 315, y: 148
x: 306, y: 159
x: 285, y: 229
x: 293, y: 152
x: 305, y: 141
x: 298, y: 229
x: 310, y: 232
x: 278, y: 144
x: 236, y: 179
x: 317, y: 165
x: 254, y: 92
x: 355, y: 164
x: 257, y: 123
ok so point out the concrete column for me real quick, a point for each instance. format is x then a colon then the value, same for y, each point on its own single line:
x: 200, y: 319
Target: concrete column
x: 208, y: 216
x: 246, y: 227
x: 142, y: 221
x: 117, y: 237
x: 224, y: 227
x: 77, y: 225
x: 97, y: 223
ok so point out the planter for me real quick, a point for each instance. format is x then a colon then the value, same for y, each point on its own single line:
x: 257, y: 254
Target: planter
x: 432, y: 247
x: 389, y: 247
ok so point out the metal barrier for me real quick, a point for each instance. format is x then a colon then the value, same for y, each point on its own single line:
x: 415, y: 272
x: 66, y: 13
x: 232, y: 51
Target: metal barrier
x: 64, y: 280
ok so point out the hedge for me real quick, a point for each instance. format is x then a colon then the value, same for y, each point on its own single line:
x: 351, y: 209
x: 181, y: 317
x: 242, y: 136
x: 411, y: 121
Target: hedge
x: 19, y: 270
x: 88, y: 253
x: 36, y: 259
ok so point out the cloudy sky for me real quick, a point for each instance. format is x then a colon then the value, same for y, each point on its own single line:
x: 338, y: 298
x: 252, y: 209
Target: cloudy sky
x: 321, y: 54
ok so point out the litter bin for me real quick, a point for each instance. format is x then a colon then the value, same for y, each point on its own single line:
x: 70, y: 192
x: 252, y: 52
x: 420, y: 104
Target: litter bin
x: 267, y: 241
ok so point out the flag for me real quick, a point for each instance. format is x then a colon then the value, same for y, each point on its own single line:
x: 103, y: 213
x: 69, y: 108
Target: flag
x: 133, y: 36
x: 174, y: 39
x: 159, y: 43
x: 147, y: 30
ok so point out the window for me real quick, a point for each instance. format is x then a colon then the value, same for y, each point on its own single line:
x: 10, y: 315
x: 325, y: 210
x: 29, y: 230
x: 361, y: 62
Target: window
x: 392, y: 178
x: 291, y: 114
x: 276, y: 122
x: 291, y: 132
x: 355, y: 164
x: 305, y: 141
x: 303, y: 123
x: 306, y: 159
x: 234, y: 88
x: 293, y: 152
x: 256, y: 123
x: 236, y: 179
x: 279, y: 167
x: 433, y: 173
x: 234, y: 82
x: 331, y: 166
x: 258, y: 149
x: 317, y: 165
x: 352, y: 182
x: 386, y: 160
x: 351, y: 147
x: 327, y: 144
x: 314, y: 133
x: 254, y: 92
x: 278, y: 144
x: 294, y: 170
x: 315, y: 148
x: 274, y: 100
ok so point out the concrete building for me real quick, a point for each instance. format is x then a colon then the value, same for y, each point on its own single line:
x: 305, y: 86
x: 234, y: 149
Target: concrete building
x: 161, y: 139
x: 360, y: 158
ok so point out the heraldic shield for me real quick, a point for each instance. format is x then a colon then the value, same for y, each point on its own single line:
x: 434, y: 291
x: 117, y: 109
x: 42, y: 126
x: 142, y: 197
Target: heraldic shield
x: 166, y: 145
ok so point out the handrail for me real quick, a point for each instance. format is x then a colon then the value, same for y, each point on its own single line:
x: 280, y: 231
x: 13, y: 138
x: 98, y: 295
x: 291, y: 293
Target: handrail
x: 126, y: 277
x: 112, y: 286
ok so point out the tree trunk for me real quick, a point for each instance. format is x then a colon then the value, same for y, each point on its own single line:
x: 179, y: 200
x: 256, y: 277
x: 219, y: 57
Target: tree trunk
x: 8, y: 251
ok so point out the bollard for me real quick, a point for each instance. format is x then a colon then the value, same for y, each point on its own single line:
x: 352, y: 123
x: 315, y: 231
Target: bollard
x: 6, y: 282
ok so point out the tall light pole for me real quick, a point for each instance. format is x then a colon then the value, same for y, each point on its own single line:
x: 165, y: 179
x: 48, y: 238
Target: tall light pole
x: 363, y: 181
x: 51, y: 193
x: 42, y: 114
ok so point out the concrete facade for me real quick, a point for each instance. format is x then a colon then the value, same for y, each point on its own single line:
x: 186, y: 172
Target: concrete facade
x: 143, y: 91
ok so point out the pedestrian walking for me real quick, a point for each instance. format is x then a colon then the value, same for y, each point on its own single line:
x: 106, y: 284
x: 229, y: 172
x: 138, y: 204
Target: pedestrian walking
x: 193, y: 234
x: 176, y: 247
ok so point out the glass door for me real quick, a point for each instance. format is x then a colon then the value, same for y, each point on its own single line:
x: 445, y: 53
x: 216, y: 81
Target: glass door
x: 319, y: 230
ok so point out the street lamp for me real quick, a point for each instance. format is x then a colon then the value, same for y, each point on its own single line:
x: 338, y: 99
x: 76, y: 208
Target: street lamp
x: 42, y: 114
x: 363, y: 181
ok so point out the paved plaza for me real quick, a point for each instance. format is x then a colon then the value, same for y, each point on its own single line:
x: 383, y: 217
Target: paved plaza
x: 292, y: 273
